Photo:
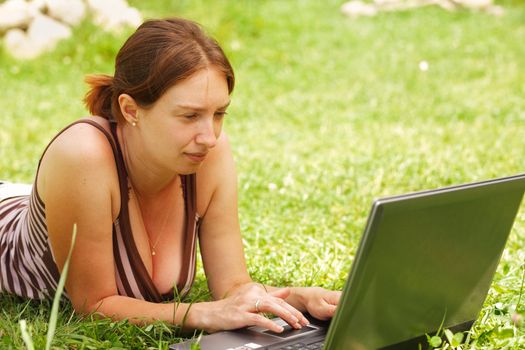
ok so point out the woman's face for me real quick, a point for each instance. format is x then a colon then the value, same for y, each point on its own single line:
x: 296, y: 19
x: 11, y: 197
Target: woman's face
x: 184, y: 124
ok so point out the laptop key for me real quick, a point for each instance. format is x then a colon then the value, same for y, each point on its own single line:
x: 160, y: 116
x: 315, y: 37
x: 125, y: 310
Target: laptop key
x: 315, y: 346
x: 293, y: 347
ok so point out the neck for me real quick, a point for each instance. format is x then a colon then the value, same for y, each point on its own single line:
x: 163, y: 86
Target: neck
x: 146, y: 180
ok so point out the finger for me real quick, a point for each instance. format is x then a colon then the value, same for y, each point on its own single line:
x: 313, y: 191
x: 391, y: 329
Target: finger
x: 276, y: 307
x: 333, y: 297
x: 282, y: 293
x: 326, y: 311
x: 298, y: 314
x: 330, y: 310
x: 261, y: 321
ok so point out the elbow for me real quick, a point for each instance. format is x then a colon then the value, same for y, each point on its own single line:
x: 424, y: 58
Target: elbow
x: 85, y: 307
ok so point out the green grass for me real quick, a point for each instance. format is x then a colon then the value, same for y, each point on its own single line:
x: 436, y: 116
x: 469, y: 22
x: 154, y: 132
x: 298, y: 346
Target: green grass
x: 327, y: 114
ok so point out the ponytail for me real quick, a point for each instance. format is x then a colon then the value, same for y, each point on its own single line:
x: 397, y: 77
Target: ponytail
x: 157, y: 56
x: 98, y: 99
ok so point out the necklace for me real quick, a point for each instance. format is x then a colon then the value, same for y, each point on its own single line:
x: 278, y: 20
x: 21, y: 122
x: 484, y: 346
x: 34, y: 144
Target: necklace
x: 130, y: 187
x: 166, y: 219
x: 168, y: 215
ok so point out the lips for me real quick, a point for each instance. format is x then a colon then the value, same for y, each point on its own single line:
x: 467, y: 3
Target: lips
x: 196, y: 157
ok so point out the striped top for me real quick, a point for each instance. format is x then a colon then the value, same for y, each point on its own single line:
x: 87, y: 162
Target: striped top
x: 27, y: 266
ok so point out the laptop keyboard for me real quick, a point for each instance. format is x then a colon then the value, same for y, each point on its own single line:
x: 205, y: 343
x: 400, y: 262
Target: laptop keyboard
x: 314, y: 346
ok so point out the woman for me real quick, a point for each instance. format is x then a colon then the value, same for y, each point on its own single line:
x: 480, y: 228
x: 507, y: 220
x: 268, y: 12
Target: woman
x: 141, y: 178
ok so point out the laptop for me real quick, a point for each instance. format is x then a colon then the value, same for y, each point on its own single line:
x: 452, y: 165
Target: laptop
x: 425, y: 263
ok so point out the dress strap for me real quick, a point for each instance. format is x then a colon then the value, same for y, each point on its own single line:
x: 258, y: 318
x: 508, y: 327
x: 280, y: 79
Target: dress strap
x: 147, y: 288
x: 145, y: 284
x: 80, y: 121
x: 189, y: 190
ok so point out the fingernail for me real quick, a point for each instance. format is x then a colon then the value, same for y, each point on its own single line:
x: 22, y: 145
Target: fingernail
x: 298, y: 325
x: 280, y: 329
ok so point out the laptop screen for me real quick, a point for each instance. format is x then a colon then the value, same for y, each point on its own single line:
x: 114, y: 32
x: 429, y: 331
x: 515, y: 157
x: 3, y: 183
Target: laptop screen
x: 426, y: 259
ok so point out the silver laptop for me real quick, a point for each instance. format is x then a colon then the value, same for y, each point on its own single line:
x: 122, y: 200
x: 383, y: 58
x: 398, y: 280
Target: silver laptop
x: 425, y: 262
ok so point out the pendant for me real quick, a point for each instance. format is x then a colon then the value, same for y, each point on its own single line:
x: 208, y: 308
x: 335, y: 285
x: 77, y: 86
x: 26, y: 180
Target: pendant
x: 152, y: 252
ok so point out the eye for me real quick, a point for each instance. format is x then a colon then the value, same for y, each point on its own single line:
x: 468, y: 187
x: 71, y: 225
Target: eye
x: 190, y: 116
x: 220, y: 115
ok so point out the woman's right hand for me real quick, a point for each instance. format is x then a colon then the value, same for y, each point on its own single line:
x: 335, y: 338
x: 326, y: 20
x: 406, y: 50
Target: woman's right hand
x: 243, y: 308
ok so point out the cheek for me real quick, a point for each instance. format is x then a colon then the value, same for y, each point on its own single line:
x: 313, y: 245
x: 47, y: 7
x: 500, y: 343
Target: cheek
x: 217, y: 129
x: 182, y: 135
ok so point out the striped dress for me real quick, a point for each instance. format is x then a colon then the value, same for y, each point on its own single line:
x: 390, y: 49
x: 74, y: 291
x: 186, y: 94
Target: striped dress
x: 27, y: 266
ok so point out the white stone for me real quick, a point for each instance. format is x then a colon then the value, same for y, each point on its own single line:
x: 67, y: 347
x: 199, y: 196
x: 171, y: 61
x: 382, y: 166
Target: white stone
x: 13, y: 14
x: 356, y: 8
x: 19, y: 46
x: 496, y: 10
x: 133, y: 17
x: 71, y: 12
x: 386, y: 2
x: 44, y: 32
x: 106, y: 5
x: 36, y: 7
x: 129, y: 17
x: 475, y: 4
x: 114, y: 14
x: 42, y: 35
x: 39, y: 5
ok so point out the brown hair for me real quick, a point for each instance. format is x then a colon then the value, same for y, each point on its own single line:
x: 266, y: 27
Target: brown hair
x: 158, y: 55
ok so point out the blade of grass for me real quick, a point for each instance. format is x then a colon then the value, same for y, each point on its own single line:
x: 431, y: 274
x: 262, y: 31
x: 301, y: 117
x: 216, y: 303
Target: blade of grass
x: 58, y: 294
x: 26, y: 336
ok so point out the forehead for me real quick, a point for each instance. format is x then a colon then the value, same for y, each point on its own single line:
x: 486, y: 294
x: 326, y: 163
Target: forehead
x: 205, y: 87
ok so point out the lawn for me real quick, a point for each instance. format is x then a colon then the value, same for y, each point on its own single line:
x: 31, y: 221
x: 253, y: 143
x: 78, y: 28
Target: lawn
x: 328, y: 113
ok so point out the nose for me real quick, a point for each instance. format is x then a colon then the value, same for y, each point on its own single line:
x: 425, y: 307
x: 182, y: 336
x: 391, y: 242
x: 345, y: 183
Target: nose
x: 208, y: 134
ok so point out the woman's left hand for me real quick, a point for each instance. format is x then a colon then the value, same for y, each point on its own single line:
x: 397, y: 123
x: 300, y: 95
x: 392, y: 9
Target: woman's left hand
x: 319, y: 302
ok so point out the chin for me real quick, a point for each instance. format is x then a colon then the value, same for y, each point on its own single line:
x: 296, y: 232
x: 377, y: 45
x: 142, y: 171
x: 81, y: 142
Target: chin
x: 187, y: 170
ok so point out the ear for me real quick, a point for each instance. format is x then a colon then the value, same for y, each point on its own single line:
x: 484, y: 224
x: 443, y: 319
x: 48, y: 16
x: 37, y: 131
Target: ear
x: 128, y: 108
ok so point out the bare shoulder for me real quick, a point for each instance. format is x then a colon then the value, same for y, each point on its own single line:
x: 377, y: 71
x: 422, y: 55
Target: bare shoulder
x: 79, y: 153
x: 78, y: 183
x: 79, y: 141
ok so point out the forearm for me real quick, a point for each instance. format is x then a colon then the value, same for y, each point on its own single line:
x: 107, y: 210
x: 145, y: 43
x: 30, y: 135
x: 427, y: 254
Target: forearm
x: 138, y: 311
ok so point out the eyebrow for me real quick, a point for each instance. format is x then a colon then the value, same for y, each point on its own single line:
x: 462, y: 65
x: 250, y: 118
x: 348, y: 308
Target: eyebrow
x: 199, y: 108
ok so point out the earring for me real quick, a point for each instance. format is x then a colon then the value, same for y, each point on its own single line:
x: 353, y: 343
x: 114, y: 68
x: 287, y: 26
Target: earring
x: 133, y: 124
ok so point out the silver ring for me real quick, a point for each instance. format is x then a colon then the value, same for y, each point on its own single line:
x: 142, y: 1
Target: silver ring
x: 257, y: 302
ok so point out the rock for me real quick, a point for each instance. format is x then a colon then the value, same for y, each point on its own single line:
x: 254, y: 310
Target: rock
x: 42, y: 35
x: 14, y: 14
x: 18, y: 45
x: 495, y: 10
x: 475, y: 4
x: 387, y: 2
x: 38, y: 5
x: 129, y: 17
x: 114, y: 14
x: 45, y: 32
x: 356, y: 8
x: 71, y: 12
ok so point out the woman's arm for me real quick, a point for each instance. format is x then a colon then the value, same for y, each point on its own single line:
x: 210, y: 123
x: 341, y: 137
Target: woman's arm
x: 222, y: 249
x: 223, y: 254
x: 219, y: 236
x: 79, y: 184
